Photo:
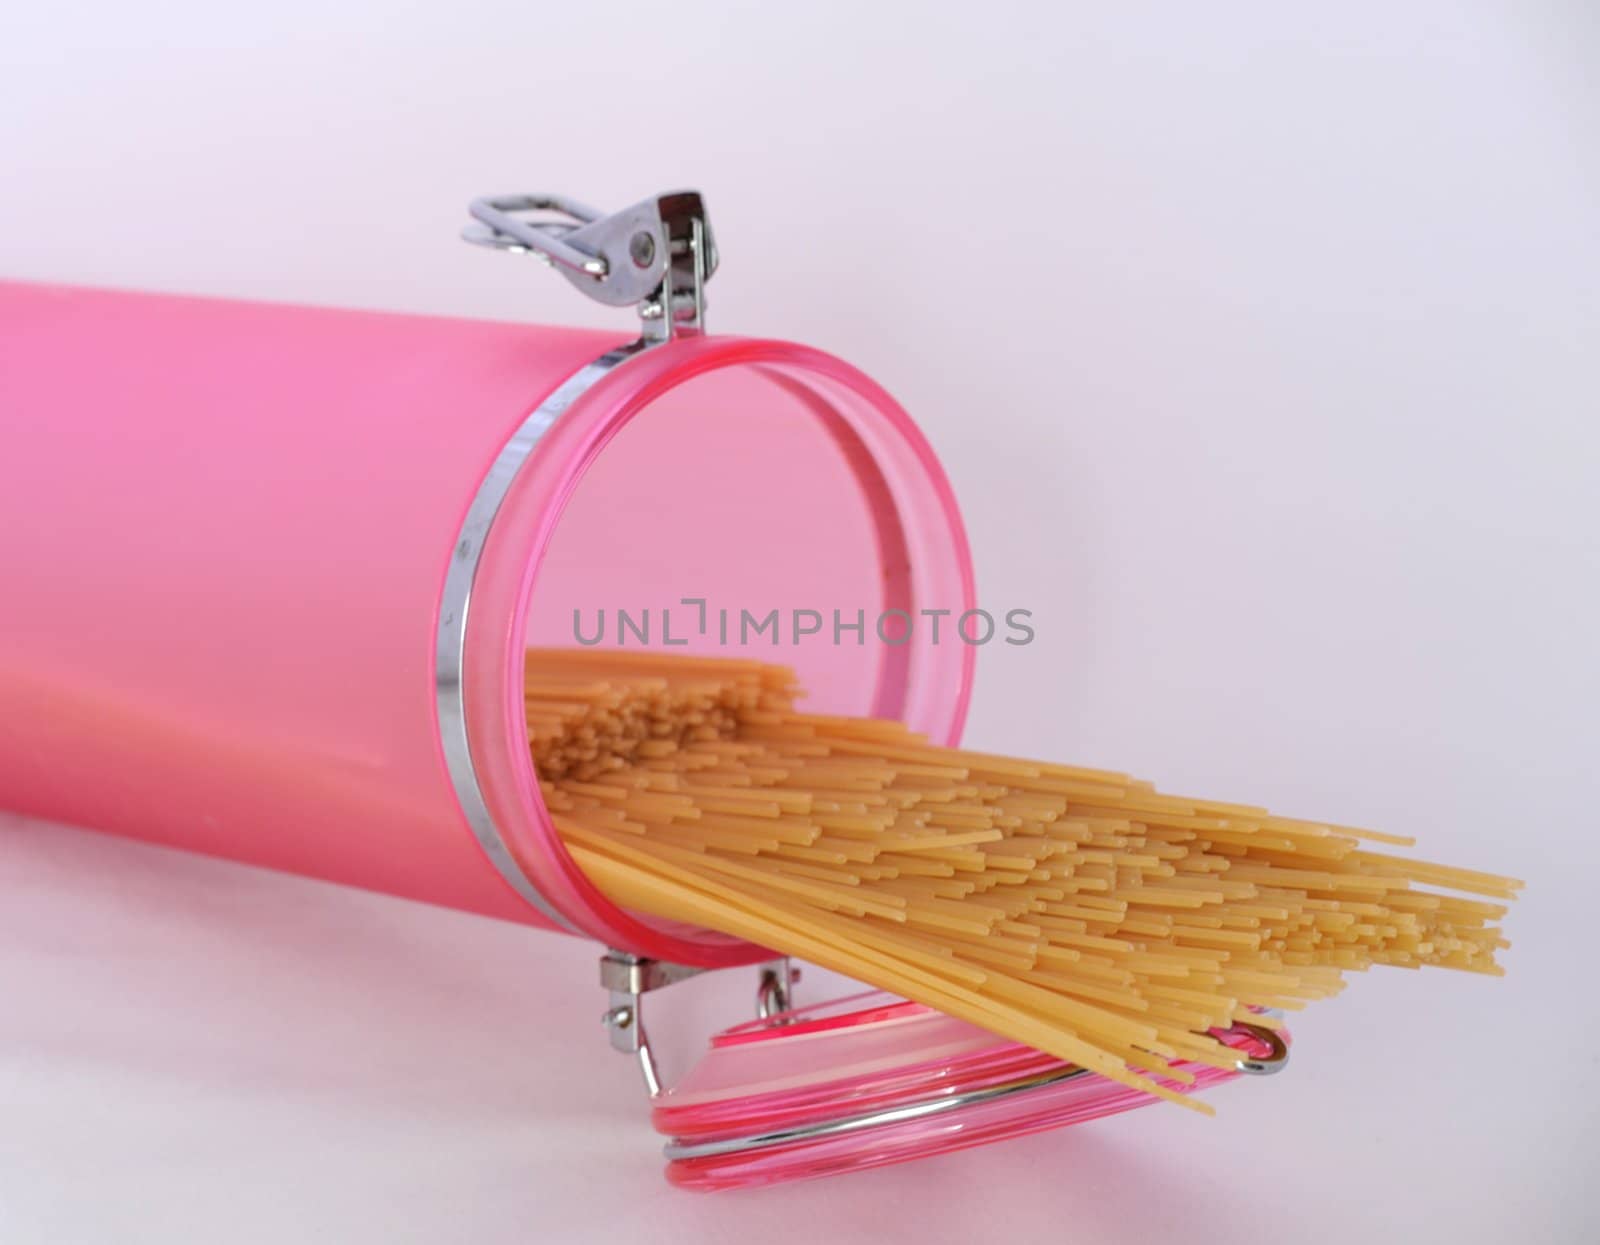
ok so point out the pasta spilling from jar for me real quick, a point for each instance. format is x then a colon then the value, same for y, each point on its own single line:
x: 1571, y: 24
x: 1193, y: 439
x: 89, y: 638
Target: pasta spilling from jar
x: 1077, y: 911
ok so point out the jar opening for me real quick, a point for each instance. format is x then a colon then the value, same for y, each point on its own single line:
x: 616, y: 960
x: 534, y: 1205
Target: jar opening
x: 727, y: 498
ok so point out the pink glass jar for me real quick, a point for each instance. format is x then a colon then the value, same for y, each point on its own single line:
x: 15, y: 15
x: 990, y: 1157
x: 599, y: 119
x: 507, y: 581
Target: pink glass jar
x: 270, y: 573
x: 235, y: 534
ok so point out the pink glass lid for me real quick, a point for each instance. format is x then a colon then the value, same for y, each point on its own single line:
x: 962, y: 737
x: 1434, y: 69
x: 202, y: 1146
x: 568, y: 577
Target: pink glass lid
x: 871, y: 1079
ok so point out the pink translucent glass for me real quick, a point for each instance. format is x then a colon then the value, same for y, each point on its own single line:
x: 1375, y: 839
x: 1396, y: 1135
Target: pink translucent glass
x: 224, y: 528
x: 757, y: 475
x: 872, y: 1053
x: 230, y: 524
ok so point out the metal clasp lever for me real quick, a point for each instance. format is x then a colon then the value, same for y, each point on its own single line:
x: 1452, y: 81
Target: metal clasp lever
x: 657, y: 254
x: 630, y: 977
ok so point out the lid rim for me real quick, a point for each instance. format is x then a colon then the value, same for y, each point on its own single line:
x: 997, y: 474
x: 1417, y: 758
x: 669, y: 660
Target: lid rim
x: 676, y: 1149
x: 801, y: 1135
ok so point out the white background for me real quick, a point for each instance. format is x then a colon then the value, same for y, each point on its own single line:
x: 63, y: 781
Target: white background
x: 1261, y: 346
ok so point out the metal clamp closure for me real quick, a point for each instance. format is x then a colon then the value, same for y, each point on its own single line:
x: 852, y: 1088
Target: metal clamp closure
x: 630, y: 977
x: 657, y: 254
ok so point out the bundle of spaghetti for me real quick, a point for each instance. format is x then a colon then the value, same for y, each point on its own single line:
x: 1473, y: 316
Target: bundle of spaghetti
x: 590, y: 712
x: 1077, y: 911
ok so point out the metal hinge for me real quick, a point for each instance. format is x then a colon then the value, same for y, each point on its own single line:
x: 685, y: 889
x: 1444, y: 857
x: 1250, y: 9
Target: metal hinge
x: 657, y: 254
x: 630, y: 977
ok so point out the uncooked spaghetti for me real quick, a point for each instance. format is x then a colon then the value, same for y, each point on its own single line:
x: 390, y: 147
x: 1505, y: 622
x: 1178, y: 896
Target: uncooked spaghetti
x: 1077, y: 911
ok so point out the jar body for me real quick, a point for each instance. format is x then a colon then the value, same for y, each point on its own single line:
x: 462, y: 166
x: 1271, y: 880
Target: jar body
x: 231, y: 530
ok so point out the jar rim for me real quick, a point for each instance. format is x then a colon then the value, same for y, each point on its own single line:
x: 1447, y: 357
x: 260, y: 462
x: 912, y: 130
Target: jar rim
x: 513, y: 552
